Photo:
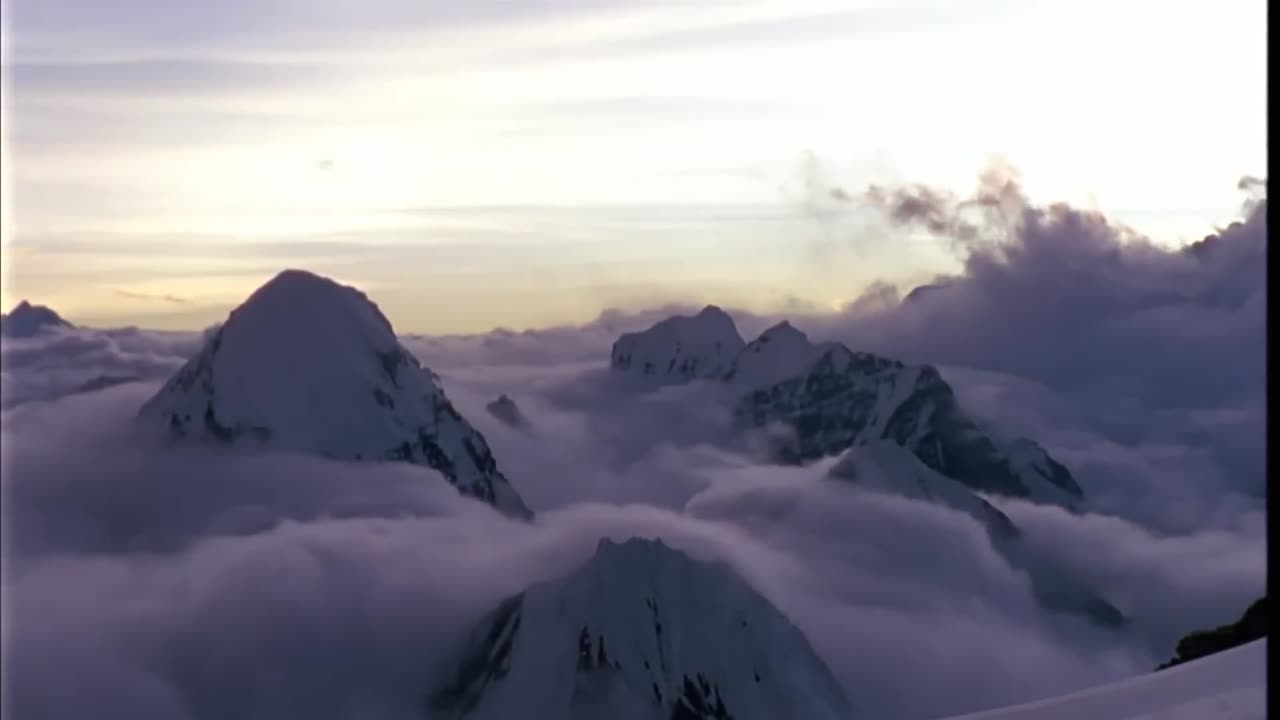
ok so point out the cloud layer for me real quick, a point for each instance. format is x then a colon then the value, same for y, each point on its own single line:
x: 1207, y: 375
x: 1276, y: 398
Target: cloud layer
x: 147, y: 580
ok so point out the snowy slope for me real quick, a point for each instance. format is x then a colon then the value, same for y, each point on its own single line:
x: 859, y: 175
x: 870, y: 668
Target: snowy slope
x: 641, y: 631
x: 1231, y: 685
x: 1048, y: 480
x: 27, y: 320
x: 887, y: 467
x: 779, y: 353
x: 680, y: 348
x: 308, y: 365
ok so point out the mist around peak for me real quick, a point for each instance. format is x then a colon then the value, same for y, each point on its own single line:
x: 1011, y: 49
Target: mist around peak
x: 179, y: 580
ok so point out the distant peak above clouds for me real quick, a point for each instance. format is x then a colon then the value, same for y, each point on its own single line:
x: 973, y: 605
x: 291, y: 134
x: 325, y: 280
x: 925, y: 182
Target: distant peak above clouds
x: 27, y: 320
x: 309, y: 365
x: 680, y: 348
x: 780, y: 352
x: 829, y: 398
x: 507, y: 412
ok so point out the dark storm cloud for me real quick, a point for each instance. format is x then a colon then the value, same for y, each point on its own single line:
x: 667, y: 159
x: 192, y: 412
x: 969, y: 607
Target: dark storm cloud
x: 1065, y: 297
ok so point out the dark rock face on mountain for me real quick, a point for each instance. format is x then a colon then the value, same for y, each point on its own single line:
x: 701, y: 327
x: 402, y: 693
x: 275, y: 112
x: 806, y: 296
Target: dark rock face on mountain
x: 844, y: 398
x: 26, y: 320
x: 308, y: 365
x: 826, y: 398
x: 641, y: 631
x: 886, y: 467
x: 1251, y: 626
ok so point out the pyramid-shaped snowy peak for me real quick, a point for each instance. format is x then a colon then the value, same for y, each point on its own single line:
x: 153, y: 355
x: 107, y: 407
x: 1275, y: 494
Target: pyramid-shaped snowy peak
x: 309, y: 365
x: 640, y: 631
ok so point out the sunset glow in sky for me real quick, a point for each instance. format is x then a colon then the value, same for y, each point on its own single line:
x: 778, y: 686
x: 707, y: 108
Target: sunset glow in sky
x: 474, y: 165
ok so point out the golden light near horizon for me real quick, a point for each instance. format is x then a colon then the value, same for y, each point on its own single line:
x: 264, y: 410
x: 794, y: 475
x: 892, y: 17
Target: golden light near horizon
x: 139, y: 163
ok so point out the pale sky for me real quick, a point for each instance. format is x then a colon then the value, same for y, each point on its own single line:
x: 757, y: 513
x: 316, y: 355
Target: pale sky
x: 522, y: 164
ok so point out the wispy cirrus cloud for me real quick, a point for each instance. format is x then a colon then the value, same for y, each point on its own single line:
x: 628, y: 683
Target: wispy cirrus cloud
x: 172, y: 299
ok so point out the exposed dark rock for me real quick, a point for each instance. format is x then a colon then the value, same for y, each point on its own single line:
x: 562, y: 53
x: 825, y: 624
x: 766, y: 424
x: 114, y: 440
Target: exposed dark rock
x: 506, y: 411
x: 840, y: 402
x: 488, y: 662
x: 1251, y: 626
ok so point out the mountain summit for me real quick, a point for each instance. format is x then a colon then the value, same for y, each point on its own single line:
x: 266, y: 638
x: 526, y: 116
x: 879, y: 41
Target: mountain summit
x: 780, y: 352
x: 26, y: 320
x: 827, y: 398
x: 641, y: 631
x: 680, y: 348
x: 308, y: 365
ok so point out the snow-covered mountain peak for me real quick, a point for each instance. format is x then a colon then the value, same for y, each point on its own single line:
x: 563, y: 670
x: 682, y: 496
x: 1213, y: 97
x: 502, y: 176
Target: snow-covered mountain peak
x: 782, y: 330
x: 309, y: 365
x: 640, y: 631
x: 826, y: 398
x: 27, y: 320
x: 680, y: 348
x: 780, y: 352
x: 311, y: 309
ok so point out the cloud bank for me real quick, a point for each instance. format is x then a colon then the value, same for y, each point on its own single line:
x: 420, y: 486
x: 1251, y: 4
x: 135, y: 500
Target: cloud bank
x: 149, y: 580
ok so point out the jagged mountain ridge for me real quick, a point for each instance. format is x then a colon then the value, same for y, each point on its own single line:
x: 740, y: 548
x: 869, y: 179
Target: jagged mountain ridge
x: 829, y: 398
x: 308, y: 365
x: 845, y: 397
x: 1251, y: 626
x: 26, y: 320
x: 640, y: 631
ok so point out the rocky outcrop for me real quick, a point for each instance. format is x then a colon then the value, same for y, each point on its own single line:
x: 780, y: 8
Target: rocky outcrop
x: 1251, y: 626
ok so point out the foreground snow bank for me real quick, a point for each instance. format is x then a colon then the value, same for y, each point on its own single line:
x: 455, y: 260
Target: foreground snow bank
x: 1230, y: 685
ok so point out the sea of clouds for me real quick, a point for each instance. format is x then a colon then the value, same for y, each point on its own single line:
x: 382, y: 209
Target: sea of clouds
x: 144, y: 579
